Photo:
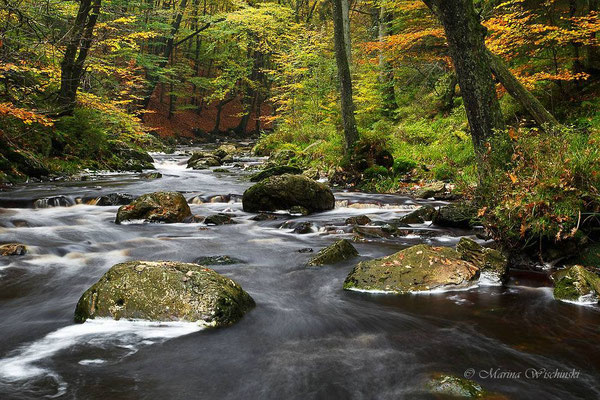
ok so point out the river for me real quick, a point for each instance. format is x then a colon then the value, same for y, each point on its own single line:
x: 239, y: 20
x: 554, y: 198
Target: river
x: 306, y: 339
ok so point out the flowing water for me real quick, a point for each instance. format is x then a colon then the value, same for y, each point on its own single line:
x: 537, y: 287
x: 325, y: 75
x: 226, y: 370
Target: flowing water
x: 306, y: 338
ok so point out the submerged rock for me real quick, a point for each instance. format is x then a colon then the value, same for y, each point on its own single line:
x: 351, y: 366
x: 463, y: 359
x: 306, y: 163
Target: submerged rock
x: 219, y: 219
x: 456, y: 216
x: 418, y: 216
x: 492, y: 263
x: 274, y: 171
x: 164, y: 291
x: 218, y: 260
x: 339, y: 251
x: 455, y: 387
x: 285, y: 191
x: 13, y: 249
x: 112, y: 199
x: 264, y: 217
x: 576, y: 284
x: 167, y: 207
x: 417, y: 268
x: 358, y: 220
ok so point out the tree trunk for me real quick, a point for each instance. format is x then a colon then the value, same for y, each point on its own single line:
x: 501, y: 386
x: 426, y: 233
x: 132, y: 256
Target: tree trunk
x: 343, y: 66
x: 78, y: 46
x: 386, y: 72
x: 168, y: 49
x: 346, y: 24
x: 521, y: 94
x: 449, y: 94
x: 465, y: 36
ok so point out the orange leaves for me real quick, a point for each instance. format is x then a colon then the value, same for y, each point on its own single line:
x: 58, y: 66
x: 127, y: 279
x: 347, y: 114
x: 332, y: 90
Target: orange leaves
x: 25, y: 116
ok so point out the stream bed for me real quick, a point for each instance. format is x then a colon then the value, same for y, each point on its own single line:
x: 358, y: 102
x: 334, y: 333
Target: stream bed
x: 306, y: 339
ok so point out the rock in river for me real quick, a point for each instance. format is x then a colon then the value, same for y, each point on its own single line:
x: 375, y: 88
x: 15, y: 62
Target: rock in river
x: 285, y: 191
x: 491, y: 262
x: 456, y: 216
x: 167, y: 207
x: 417, y: 268
x: 454, y: 387
x: 576, y: 284
x: 339, y: 251
x: 13, y: 249
x: 164, y: 291
x: 418, y: 216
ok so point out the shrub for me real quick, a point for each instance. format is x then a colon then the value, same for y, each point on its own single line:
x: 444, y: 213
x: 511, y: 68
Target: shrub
x: 403, y: 165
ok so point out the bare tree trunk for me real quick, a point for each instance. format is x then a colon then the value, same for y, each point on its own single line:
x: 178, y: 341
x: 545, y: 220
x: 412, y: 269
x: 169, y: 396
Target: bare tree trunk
x: 346, y: 24
x: 78, y: 46
x: 343, y: 66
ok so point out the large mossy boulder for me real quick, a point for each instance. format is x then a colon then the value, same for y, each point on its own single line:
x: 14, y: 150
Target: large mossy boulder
x: 491, y: 262
x: 166, y: 207
x: 274, y: 171
x: 339, y: 251
x: 459, y: 215
x: 417, y: 268
x: 164, y: 291
x: 283, y: 192
x: 126, y: 158
x: 576, y: 284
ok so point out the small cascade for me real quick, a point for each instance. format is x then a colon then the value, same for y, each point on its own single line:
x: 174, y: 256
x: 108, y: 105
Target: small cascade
x: 54, y: 201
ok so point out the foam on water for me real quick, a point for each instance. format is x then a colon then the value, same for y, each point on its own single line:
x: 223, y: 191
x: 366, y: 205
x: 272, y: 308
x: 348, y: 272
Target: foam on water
x: 24, y: 363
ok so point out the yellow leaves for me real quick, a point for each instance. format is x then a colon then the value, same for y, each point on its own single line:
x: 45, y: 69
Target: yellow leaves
x: 513, y: 178
x: 25, y: 116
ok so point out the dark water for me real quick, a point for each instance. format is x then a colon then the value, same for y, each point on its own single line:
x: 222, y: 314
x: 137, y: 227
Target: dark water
x: 306, y: 339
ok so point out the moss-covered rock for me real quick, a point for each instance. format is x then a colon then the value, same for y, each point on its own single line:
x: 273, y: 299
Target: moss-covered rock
x: 455, y: 387
x: 418, y: 216
x: 576, y: 283
x: 430, y: 190
x: 167, y: 207
x: 457, y: 216
x: 285, y: 191
x: 13, y: 249
x: 339, y: 251
x: 417, y: 268
x: 164, y: 291
x: 111, y: 199
x: 491, y: 262
x: 274, y: 171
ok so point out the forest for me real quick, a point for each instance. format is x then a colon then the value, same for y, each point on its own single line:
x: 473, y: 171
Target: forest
x: 466, y: 132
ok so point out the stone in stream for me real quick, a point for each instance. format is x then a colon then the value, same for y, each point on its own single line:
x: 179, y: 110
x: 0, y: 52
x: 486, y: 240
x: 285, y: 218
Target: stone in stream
x: 219, y: 219
x: 112, y: 199
x: 456, y: 216
x: 303, y: 228
x: 151, y: 175
x: 430, y: 190
x: 576, y: 284
x: 283, y: 192
x: 299, y: 211
x: 418, y: 216
x: 492, y: 263
x: 274, y: 171
x: 455, y: 387
x: 13, y: 249
x: 218, y: 260
x: 167, y: 207
x: 339, y: 251
x: 358, y: 220
x: 54, y: 201
x: 417, y: 268
x: 264, y: 217
x: 164, y: 291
